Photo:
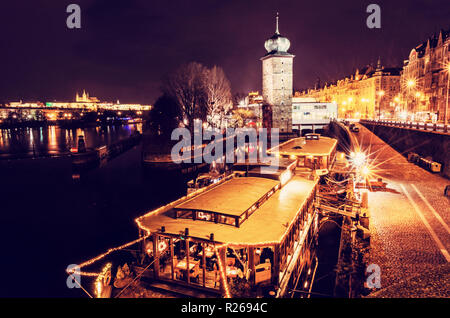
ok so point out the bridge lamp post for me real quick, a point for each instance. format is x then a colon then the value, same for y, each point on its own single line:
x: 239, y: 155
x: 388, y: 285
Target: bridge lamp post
x: 446, y: 103
x: 410, y: 84
x: 380, y: 94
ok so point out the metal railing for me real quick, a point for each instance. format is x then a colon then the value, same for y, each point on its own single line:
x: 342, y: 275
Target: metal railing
x: 432, y: 127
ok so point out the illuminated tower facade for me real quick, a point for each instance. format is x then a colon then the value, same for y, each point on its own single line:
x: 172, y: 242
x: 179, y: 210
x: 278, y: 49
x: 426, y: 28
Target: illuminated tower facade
x: 277, y: 84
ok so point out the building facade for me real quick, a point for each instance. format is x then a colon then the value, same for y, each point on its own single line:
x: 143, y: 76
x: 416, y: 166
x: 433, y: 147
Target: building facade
x: 277, y: 83
x: 416, y: 92
x: 311, y: 115
x: 371, y: 92
x: 424, y: 79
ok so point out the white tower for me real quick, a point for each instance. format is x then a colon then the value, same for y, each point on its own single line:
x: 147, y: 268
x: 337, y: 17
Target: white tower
x: 277, y: 83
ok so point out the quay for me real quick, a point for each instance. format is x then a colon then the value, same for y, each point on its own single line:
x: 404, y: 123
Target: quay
x: 410, y: 238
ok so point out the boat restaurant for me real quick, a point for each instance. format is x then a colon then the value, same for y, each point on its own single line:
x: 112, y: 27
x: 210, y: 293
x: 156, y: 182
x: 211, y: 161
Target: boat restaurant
x: 244, y: 235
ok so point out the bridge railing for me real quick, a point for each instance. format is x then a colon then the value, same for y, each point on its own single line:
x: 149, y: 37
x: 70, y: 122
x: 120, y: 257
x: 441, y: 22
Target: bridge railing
x: 437, y: 127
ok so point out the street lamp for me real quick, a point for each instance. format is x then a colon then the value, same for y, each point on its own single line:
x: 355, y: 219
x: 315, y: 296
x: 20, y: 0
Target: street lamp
x: 446, y: 103
x: 381, y: 94
x: 409, y: 84
x: 365, y: 101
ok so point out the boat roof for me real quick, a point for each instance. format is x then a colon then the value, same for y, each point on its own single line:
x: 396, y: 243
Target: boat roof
x: 302, y: 147
x: 267, y: 224
x: 233, y: 197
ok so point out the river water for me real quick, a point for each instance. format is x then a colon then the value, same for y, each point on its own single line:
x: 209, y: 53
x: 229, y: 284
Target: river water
x: 56, y: 141
x: 50, y: 220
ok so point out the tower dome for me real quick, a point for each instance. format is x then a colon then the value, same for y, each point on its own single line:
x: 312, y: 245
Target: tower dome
x: 277, y: 43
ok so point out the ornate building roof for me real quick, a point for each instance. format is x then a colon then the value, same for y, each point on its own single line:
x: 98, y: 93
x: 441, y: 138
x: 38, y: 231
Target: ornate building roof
x: 277, y: 44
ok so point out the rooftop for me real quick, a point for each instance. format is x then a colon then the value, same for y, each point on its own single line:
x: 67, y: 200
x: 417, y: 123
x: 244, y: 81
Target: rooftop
x: 267, y: 224
x: 302, y: 147
x: 233, y: 197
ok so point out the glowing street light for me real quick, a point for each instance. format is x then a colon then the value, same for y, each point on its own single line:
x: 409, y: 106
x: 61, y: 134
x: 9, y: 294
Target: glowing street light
x: 365, y: 171
x: 380, y: 94
x: 358, y: 159
x: 447, y: 68
x: 411, y: 83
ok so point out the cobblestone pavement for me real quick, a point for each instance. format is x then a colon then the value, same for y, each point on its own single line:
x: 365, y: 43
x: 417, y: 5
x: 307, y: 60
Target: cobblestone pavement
x: 410, y: 237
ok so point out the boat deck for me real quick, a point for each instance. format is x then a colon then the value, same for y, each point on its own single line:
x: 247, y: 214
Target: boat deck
x: 233, y: 197
x: 267, y: 224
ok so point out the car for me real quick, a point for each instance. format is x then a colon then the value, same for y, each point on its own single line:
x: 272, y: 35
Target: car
x: 355, y: 129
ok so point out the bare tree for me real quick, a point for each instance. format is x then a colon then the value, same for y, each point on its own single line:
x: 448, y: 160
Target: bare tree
x: 218, y: 95
x: 238, y: 97
x: 186, y: 86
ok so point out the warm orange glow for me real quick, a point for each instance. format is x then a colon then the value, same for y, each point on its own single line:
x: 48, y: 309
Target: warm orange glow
x: 285, y: 177
x: 101, y: 256
x: 101, y: 279
x: 365, y: 171
x: 222, y: 267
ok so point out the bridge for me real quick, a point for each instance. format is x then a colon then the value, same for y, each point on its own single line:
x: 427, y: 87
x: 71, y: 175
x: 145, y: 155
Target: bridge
x: 425, y: 139
x: 420, y: 126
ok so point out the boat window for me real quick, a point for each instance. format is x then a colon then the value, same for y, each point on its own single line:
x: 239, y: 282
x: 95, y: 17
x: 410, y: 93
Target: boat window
x: 184, y: 214
x: 204, y: 216
x: 227, y: 220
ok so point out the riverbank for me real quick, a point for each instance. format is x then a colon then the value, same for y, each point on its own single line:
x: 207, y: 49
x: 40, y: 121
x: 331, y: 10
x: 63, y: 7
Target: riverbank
x: 55, y: 141
x: 70, y: 124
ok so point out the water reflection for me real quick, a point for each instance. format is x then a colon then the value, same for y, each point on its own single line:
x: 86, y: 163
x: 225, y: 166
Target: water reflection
x: 54, y: 140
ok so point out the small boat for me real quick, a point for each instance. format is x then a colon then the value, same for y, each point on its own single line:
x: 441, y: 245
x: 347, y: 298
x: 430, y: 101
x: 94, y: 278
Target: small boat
x: 203, y: 180
x: 157, y: 157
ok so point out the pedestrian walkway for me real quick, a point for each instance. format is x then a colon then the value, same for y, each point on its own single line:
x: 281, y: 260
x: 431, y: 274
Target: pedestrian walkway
x: 410, y: 239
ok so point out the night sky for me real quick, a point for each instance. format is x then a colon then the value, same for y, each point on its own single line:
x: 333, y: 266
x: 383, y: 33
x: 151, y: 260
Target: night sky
x: 124, y: 48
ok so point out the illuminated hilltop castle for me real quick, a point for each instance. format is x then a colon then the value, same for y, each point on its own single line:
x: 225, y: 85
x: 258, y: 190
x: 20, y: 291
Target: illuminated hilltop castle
x: 86, y: 98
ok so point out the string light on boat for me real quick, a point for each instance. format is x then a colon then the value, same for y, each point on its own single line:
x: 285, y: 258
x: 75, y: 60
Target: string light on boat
x: 103, y: 279
x: 101, y: 256
x: 149, y: 248
x: 222, y: 269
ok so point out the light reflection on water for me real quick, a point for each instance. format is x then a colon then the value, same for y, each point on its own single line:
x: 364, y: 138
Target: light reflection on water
x: 54, y: 140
